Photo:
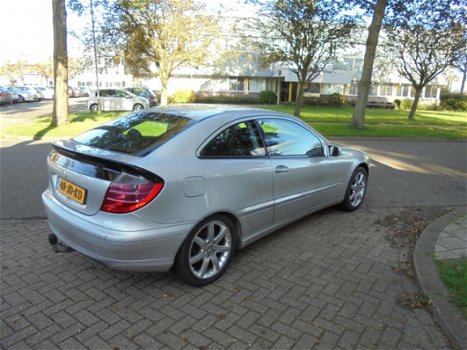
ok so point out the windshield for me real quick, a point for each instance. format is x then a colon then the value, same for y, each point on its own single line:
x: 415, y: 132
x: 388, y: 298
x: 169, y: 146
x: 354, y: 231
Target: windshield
x: 137, y: 133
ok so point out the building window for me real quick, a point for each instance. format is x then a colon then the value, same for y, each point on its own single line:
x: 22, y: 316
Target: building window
x: 236, y: 84
x: 353, y: 89
x: 329, y: 89
x: 405, y: 90
x: 430, y: 91
x: 314, y: 88
x: 256, y: 85
x: 386, y: 90
x: 373, y: 90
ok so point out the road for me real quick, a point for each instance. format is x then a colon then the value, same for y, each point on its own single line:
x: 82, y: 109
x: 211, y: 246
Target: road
x: 19, y: 113
x: 403, y: 174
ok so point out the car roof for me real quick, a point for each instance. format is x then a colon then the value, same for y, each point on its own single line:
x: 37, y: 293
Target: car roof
x: 200, y: 112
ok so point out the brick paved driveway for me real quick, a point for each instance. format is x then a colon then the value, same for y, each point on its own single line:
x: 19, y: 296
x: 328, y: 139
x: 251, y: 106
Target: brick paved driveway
x: 332, y: 280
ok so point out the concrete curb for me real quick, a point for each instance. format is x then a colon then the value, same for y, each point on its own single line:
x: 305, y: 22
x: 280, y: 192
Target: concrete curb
x: 431, y: 286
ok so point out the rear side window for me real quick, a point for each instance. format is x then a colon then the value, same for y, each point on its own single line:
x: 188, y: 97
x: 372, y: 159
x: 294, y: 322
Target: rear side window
x: 136, y: 134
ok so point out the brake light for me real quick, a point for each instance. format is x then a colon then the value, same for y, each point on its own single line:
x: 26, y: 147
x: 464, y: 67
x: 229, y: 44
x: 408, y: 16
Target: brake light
x: 129, y: 193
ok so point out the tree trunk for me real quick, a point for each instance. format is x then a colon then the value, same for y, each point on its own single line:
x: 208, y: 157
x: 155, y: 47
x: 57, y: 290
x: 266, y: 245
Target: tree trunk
x: 358, y: 118
x: 164, y: 97
x: 464, y: 73
x: 299, y: 99
x: 60, y: 106
x: 418, y: 92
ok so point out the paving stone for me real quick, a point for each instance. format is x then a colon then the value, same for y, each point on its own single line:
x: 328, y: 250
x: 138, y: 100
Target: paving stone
x: 324, y: 282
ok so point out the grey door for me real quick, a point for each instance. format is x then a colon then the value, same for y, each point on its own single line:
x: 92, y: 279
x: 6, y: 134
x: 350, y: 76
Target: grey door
x: 302, y: 179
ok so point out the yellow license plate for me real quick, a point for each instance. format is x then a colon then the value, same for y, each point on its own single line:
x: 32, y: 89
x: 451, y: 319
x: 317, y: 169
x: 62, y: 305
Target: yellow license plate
x: 72, y: 191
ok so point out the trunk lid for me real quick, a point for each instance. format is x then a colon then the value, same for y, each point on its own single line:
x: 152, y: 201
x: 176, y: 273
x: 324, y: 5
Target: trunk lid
x: 80, y: 175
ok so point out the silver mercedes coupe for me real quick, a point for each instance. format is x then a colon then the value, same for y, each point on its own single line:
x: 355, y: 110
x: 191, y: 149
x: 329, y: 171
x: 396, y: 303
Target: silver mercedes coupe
x: 187, y: 185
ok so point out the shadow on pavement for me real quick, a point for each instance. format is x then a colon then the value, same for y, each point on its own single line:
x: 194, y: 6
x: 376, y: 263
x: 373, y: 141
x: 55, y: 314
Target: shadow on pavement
x: 23, y: 178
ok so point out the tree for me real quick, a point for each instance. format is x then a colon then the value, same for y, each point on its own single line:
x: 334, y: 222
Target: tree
x: 426, y: 37
x: 460, y: 62
x: 15, y: 71
x: 44, y: 69
x: 155, y: 37
x: 358, y: 118
x: 60, y: 105
x: 305, y: 34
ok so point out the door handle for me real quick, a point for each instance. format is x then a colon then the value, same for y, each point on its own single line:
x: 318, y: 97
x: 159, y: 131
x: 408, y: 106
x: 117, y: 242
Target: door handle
x: 281, y: 169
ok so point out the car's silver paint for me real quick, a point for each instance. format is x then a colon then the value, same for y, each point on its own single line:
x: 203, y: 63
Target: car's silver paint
x: 257, y: 197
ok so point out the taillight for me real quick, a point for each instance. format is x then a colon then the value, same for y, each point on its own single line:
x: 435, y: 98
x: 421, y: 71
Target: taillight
x: 128, y: 193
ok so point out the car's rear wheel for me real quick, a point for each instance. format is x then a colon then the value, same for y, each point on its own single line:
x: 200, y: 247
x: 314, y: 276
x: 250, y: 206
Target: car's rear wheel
x: 138, y: 107
x: 207, y: 251
x: 94, y: 108
x: 21, y: 99
x: 356, y: 190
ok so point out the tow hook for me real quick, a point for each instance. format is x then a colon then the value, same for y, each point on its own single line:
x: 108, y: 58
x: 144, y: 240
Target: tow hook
x: 57, y: 246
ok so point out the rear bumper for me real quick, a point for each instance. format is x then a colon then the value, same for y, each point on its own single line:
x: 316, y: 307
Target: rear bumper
x: 151, y: 249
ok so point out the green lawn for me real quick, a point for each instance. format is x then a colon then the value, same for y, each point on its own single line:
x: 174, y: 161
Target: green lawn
x: 330, y: 121
x: 454, y: 276
x: 79, y: 122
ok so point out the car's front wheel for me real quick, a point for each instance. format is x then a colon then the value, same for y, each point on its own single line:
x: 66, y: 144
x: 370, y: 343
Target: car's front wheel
x: 207, y: 251
x: 94, y: 108
x: 356, y: 190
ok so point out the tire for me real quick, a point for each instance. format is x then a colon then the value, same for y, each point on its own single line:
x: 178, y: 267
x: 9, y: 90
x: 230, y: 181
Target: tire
x: 21, y: 99
x: 207, y: 251
x: 94, y: 108
x: 138, y: 107
x: 356, y: 190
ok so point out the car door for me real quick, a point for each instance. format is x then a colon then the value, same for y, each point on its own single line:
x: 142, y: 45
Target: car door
x: 302, y: 181
x: 106, y: 101
x: 242, y: 182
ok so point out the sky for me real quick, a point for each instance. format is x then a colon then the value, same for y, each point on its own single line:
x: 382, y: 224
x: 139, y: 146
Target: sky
x: 26, y: 31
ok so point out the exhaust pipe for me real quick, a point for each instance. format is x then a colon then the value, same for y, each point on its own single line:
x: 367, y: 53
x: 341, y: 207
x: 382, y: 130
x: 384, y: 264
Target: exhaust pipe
x: 57, y: 246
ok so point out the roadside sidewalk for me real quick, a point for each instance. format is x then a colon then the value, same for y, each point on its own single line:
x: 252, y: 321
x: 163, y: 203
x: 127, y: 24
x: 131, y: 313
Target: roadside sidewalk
x: 445, y: 238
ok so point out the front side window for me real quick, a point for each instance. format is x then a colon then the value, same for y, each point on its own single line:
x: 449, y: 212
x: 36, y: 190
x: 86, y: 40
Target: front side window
x: 287, y: 138
x: 137, y: 133
x: 239, y: 140
x: 121, y: 93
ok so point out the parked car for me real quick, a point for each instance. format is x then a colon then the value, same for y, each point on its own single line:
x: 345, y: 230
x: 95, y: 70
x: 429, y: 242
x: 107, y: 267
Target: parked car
x: 14, y: 94
x: 116, y: 100
x: 84, y: 91
x: 46, y: 92
x: 5, y: 96
x: 74, y: 92
x: 187, y: 185
x: 27, y: 94
x: 146, y: 93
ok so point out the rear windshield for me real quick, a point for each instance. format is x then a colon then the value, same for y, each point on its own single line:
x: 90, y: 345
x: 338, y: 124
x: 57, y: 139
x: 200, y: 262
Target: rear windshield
x: 137, y: 133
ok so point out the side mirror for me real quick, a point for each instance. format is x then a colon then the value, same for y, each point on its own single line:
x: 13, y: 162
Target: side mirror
x: 334, y: 151
x: 315, y: 152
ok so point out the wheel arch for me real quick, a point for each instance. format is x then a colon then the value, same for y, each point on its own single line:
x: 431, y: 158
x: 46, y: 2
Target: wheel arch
x: 364, y: 166
x: 233, y: 219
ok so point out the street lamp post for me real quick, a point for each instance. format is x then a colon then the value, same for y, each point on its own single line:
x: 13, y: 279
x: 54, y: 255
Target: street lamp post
x: 95, y: 57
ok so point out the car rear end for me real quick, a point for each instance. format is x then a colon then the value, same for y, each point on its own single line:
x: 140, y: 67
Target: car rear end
x: 95, y: 195
x: 5, y: 96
